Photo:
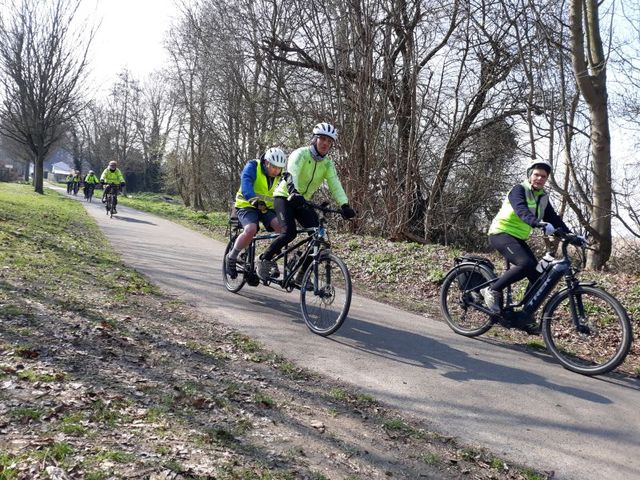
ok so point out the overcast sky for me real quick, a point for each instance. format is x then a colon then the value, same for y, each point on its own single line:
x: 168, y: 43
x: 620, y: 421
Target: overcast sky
x: 130, y: 34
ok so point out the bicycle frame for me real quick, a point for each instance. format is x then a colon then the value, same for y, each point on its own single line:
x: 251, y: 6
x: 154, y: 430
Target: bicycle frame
x: 537, y: 293
x: 313, y: 244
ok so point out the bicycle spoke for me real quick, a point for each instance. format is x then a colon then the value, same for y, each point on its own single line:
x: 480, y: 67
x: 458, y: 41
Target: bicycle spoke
x: 325, y: 309
x: 233, y: 284
x: 598, y: 342
x: 458, y: 301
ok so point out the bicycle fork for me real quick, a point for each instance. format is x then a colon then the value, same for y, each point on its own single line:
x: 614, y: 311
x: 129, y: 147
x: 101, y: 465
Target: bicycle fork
x: 577, y: 311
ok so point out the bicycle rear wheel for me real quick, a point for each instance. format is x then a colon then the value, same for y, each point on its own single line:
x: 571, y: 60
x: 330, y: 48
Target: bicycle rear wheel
x: 324, y: 312
x: 601, y: 340
x: 109, y: 204
x: 459, y: 298
x: 233, y: 284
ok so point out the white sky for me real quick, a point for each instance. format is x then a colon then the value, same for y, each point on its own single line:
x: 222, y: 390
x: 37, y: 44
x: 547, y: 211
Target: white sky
x: 130, y: 34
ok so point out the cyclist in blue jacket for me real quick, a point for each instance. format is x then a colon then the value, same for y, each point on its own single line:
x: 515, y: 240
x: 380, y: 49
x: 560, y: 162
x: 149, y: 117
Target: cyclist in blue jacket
x: 254, y: 201
x: 526, y: 206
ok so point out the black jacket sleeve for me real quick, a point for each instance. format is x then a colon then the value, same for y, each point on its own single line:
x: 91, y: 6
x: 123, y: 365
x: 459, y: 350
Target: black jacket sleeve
x: 518, y: 201
x: 553, y: 218
x: 288, y: 179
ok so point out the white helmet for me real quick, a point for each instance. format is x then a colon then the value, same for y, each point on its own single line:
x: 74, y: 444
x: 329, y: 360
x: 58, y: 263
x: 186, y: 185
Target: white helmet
x: 542, y: 164
x: 326, y: 129
x: 276, y: 157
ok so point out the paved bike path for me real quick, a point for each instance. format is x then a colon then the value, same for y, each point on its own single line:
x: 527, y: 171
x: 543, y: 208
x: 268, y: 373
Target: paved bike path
x: 522, y: 406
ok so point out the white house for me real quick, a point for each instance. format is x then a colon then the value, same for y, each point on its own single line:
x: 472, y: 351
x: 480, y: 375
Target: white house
x: 60, y: 170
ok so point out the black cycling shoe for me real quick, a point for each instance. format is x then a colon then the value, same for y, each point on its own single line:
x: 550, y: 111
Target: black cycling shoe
x: 232, y: 272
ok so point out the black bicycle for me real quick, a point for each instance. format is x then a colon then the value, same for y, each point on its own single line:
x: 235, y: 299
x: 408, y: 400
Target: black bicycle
x: 111, y: 198
x: 585, y: 328
x: 325, y: 285
x: 88, y: 191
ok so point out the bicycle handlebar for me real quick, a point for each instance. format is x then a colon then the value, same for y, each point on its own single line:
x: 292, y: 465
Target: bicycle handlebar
x: 323, y: 208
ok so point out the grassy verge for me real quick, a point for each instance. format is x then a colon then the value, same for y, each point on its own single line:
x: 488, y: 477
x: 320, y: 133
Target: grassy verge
x: 105, y: 377
x: 172, y: 208
x: 407, y: 274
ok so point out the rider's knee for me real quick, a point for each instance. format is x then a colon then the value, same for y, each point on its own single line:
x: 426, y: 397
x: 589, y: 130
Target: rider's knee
x: 251, y: 230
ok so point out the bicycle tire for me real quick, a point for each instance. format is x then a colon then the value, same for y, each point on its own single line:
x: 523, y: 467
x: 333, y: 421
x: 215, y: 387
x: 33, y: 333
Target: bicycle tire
x: 233, y: 284
x: 325, y: 312
x: 458, y: 308
x: 589, y: 352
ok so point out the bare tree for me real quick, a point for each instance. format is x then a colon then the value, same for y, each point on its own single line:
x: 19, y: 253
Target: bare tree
x: 590, y: 70
x: 42, y: 63
x: 154, y: 121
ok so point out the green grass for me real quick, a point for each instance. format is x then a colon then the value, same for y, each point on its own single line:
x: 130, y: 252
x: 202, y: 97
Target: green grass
x: 173, y: 208
x: 71, y: 424
x: 31, y: 376
x: 400, y: 427
x: 264, y: 400
x: 27, y: 413
x: 50, y: 237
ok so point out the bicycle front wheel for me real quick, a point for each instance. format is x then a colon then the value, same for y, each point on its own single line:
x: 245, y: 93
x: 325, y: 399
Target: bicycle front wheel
x: 587, y: 330
x: 459, y: 298
x: 325, y: 309
x: 233, y: 284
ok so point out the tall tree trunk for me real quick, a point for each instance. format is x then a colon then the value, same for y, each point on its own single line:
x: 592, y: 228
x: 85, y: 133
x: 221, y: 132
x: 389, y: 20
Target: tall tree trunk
x: 591, y: 76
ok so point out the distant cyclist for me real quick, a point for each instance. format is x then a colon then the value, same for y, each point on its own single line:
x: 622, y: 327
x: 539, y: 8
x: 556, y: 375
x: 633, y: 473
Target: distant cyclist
x: 75, y: 182
x: 90, y: 182
x: 69, y: 180
x: 308, y: 168
x: 254, y: 201
x: 112, y: 178
x: 525, y: 207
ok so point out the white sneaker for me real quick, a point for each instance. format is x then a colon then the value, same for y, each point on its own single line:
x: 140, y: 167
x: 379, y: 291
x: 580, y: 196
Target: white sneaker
x: 487, y: 294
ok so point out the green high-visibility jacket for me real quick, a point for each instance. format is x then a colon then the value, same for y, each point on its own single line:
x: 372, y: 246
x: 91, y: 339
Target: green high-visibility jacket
x: 508, y: 221
x: 112, y: 176
x: 308, y: 175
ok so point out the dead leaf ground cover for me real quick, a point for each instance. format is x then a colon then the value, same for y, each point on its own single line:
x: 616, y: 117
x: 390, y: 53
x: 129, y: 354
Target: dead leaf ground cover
x: 102, y: 376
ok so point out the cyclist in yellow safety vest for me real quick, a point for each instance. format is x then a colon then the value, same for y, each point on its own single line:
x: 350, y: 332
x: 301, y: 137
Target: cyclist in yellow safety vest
x: 69, y: 180
x: 254, y: 201
x: 90, y: 182
x: 526, y: 207
x: 112, y: 178
x: 308, y: 168
x: 75, y: 182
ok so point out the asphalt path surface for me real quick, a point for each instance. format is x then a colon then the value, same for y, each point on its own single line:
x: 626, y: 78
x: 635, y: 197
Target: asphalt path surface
x: 521, y: 405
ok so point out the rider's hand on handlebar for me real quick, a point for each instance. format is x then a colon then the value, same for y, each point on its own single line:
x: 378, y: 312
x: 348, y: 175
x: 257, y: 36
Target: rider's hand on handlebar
x: 296, y: 200
x: 347, y: 211
x: 260, y: 205
x: 547, y: 228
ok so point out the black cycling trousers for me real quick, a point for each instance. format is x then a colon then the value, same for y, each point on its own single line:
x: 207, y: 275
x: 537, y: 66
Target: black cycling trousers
x: 522, y: 259
x: 287, y: 216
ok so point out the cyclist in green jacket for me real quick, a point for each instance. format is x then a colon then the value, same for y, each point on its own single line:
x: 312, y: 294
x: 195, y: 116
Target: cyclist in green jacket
x: 69, y: 180
x: 307, y: 169
x: 90, y: 182
x: 254, y: 201
x: 112, y: 178
x: 526, y: 206
x: 75, y: 182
